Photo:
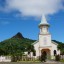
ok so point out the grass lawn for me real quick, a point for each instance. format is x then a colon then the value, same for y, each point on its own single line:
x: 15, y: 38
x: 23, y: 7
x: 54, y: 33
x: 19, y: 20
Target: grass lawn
x: 28, y: 61
x: 62, y: 60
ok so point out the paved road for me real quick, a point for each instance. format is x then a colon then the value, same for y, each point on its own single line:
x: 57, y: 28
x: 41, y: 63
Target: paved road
x: 30, y: 63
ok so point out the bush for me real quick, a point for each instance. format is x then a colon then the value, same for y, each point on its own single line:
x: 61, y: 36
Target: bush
x: 14, y: 59
x: 43, y: 58
x: 57, y: 57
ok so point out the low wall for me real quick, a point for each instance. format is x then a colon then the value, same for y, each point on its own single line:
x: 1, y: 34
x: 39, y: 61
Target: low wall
x: 5, y: 58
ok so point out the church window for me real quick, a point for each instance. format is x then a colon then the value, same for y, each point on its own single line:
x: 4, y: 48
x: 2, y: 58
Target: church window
x: 28, y: 52
x: 34, y: 53
x: 55, y: 52
x: 41, y: 29
x: 44, y: 27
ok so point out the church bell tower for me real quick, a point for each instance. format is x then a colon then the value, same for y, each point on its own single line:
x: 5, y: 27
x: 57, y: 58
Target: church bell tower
x: 44, y: 35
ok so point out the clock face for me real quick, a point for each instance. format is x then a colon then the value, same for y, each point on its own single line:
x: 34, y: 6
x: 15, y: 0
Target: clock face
x: 45, y: 40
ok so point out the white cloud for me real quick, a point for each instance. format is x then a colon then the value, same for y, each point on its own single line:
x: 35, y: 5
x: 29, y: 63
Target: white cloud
x: 34, y: 7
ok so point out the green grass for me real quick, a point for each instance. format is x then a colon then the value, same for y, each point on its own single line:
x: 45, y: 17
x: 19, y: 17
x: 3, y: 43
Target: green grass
x: 28, y: 61
x: 62, y: 60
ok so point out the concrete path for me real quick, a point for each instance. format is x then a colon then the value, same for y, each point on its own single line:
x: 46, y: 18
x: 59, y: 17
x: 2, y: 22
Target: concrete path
x: 48, y: 62
x: 53, y: 62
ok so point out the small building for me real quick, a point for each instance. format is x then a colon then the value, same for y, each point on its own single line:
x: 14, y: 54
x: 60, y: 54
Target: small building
x: 45, y: 43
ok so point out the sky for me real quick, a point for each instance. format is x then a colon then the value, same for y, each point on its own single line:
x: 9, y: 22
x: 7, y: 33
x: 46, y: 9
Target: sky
x: 24, y: 16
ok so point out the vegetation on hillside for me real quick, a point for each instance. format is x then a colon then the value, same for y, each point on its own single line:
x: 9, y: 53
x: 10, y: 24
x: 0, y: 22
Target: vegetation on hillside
x: 61, y: 48
x: 16, y: 45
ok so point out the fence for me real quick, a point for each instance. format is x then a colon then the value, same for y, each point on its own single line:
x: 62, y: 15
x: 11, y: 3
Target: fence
x: 62, y: 56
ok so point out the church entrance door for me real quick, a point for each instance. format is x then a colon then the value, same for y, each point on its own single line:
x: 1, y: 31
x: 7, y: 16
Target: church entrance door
x: 46, y: 52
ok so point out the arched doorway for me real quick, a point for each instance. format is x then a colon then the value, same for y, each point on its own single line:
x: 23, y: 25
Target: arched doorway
x: 55, y: 52
x: 46, y: 52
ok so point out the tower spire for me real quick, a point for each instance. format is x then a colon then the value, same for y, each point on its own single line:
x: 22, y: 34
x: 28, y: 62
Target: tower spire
x: 44, y: 21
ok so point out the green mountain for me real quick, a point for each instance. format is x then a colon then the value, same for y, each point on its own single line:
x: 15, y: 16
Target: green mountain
x: 16, y: 45
x: 18, y: 35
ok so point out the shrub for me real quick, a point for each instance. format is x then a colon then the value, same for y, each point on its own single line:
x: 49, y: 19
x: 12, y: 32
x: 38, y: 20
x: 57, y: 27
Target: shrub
x: 14, y: 59
x: 57, y: 57
x: 43, y: 58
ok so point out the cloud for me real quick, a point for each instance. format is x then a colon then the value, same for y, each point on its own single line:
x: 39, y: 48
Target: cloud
x: 34, y: 7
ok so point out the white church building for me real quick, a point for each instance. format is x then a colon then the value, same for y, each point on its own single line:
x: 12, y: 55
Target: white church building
x: 45, y: 43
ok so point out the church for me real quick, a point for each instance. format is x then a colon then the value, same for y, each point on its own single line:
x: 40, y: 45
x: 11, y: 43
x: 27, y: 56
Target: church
x: 44, y: 42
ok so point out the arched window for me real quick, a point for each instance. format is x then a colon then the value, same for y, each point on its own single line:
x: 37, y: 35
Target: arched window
x: 34, y: 53
x: 41, y: 30
x: 55, y: 52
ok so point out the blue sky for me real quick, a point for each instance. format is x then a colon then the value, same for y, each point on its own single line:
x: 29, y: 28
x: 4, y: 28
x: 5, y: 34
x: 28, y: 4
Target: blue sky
x: 14, y: 21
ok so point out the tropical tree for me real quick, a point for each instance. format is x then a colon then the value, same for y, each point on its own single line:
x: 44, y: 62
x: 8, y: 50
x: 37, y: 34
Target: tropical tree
x: 61, y: 47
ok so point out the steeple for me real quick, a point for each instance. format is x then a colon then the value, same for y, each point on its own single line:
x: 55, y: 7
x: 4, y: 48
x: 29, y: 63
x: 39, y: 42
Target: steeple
x: 44, y: 21
x: 44, y: 25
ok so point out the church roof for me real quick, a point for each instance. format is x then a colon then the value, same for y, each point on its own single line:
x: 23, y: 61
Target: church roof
x: 53, y: 41
x: 35, y: 42
x: 57, y: 42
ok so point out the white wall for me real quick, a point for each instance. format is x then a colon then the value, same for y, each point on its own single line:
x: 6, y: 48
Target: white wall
x: 36, y: 46
x: 5, y: 59
x: 42, y: 39
x: 54, y: 47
